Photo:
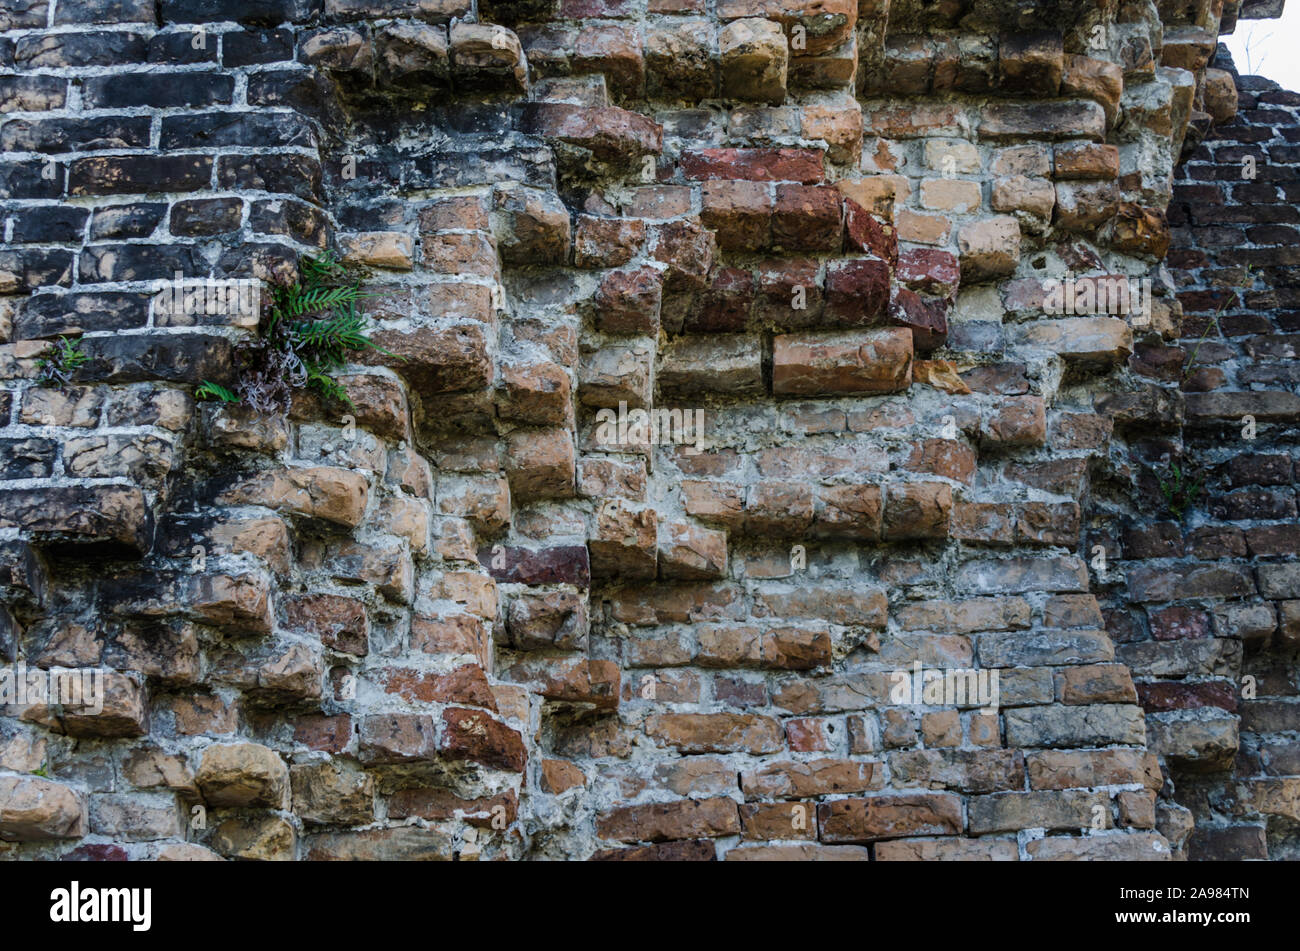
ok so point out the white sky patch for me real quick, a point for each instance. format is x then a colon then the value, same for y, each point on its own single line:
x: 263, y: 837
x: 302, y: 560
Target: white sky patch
x: 1268, y: 47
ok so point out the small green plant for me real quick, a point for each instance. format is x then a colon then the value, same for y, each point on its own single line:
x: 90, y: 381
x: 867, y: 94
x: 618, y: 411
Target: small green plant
x: 306, y: 332
x: 215, y: 391
x: 1180, y: 487
x: 43, y: 772
x: 60, y: 361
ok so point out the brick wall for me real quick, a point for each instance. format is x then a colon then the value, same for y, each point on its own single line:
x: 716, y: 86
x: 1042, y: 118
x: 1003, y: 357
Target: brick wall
x: 1225, y: 695
x: 482, y: 613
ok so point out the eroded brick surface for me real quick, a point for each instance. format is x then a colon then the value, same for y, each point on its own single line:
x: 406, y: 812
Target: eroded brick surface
x: 741, y: 361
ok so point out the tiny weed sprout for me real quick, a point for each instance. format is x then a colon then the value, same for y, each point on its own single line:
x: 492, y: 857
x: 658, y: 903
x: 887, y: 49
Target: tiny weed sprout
x: 305, y: 335
x: 56, y: 366
x: 1180, y: 487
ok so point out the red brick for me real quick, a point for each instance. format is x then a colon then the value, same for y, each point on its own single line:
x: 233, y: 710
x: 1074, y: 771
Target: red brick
x: 807, y: 218
x: 857, y: 292
x: 740, y: 212
x: 755, y: 165
x: 477, y: 736
x: 658, y: 822
x: 872, y: 361
x: 889, y: 816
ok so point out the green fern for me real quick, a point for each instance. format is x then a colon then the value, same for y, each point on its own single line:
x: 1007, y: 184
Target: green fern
x: 307, y: 333
x: 328, y: 387
x: 298, y: 302
x: 333, y: 337
x: 315, y: 270
x: 60, y: 361
x: 341, y: 331
x: 1179, y: 489
x: 215, y: 391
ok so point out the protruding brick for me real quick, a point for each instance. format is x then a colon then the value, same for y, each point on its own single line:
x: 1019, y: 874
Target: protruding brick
x: 872, y: 361
x: 243, y: 774
x: 755, y: 59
